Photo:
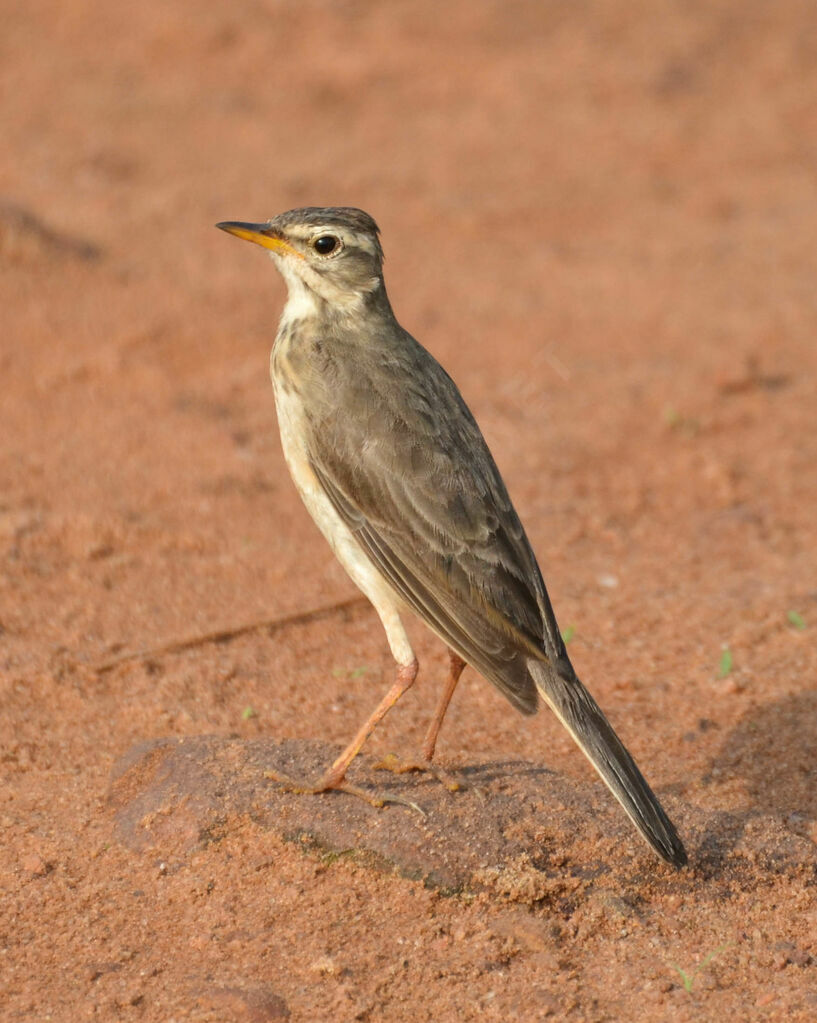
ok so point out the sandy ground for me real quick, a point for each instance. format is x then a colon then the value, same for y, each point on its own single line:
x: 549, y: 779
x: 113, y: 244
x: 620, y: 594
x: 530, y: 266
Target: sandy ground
x: 602, y: 219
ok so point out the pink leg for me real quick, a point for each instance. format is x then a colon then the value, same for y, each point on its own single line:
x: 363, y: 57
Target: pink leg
x: 406, y: 674
x: 335, y: 777
x: 457, y: 664
x: 399, y: 766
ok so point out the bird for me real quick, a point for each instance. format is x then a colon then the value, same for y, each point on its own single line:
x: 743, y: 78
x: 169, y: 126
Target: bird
x: 394, y: 470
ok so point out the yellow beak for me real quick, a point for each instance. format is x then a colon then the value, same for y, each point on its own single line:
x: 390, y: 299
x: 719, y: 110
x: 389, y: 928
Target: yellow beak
x: 261, y: 234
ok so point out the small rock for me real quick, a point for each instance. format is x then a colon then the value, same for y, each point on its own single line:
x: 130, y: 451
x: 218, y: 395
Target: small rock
x: 326, y: 965
x: 607, y: 580
x: 33, y: 863
x: 256, y: 1004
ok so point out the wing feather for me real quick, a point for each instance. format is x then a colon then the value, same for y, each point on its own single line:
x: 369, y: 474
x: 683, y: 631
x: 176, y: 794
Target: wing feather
x: 405, y: 465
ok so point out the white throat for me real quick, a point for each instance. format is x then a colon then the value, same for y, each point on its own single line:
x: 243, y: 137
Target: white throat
x: 301, y: 301
x: 304, y: 301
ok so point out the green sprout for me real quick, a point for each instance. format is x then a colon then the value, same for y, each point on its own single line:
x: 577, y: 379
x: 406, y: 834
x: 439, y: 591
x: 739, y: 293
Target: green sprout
x: 680, y: 423
x: 796, y: 620
x: 688, y: 979
x: 248, y: 713
x: 726, y: 662
x: 568, y: 633
x: 350, y: 672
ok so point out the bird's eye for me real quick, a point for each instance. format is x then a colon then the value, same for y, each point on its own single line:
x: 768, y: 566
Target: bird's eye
x: 325, y: 244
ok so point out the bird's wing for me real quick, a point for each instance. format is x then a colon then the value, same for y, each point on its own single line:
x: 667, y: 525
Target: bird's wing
x: 406, y: 467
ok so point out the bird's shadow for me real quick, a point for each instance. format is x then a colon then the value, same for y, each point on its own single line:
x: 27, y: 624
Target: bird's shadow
x: 494, y: 770
x: 773, y: 749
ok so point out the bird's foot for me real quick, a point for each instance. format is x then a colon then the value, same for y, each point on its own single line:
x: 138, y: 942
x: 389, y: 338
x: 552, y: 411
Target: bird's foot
x: 330, y: 782
x: 391, y: 762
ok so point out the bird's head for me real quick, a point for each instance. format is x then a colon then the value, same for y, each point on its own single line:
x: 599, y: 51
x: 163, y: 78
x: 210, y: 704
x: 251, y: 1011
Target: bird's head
x: 329, y: 254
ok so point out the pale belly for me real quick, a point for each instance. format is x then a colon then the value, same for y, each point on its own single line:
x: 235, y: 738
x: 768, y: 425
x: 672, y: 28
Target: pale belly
x: 339, y: 536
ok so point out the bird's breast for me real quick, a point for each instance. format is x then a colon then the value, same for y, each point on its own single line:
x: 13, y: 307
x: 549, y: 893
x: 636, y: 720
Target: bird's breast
x: 294, y: 426
x: 292, y: 421
x: 282, y: 369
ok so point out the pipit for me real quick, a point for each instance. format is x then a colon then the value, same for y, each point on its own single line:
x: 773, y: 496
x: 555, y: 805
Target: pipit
x: 394, y: 470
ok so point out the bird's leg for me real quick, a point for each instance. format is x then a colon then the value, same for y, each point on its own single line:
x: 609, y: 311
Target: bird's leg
x: 456, y: 667
x: 398, y: 766
x: 406, y: 674
x: 335, y: 777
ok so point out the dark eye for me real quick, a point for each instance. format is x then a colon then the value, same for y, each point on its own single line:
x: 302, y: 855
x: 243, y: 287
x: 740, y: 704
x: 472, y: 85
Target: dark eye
x: 325, y: 244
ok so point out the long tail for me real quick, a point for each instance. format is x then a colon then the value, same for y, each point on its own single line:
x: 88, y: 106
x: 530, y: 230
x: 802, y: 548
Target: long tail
x: 592, y: 732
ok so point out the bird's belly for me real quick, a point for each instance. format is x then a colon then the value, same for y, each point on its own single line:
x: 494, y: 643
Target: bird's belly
x: 340, y: 538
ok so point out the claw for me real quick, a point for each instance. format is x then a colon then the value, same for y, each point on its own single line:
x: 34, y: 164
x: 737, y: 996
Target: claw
x: 391, y: 762
x: 328, y: 784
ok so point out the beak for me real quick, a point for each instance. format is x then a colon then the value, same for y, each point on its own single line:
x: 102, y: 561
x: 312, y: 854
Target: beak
x: 261, y: 234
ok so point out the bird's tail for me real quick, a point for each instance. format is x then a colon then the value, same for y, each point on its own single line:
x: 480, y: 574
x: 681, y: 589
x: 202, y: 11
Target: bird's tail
x: 593, y: 733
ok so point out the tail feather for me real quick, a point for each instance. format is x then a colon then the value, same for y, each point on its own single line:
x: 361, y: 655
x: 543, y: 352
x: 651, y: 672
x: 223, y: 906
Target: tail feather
x: 594, y: 735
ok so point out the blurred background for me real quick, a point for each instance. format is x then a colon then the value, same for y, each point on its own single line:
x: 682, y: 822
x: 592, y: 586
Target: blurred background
x: 596, y: 215
x: 600, y: 217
